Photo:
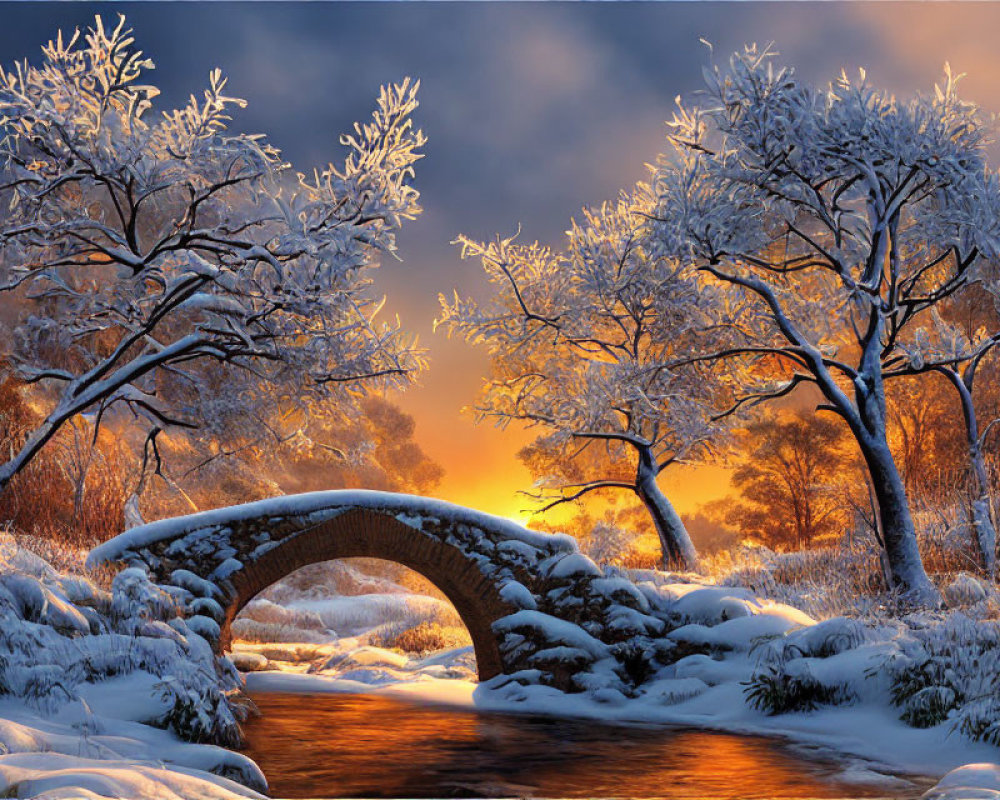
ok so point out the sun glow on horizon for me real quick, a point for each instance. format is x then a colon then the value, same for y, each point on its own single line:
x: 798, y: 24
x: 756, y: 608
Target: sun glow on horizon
x: 519, y: 518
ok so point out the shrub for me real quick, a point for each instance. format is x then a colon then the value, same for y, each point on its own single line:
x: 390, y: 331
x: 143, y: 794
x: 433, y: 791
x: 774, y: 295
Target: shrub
x: 950, y: 671
x: 776, y: 689
x: 198, y: 711
x: 425, y: 637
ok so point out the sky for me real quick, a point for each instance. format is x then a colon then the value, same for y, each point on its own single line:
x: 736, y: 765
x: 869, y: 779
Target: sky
x: 532, y: 110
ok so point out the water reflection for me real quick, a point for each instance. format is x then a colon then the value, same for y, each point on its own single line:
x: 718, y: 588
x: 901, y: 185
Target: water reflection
x: 364, y: 746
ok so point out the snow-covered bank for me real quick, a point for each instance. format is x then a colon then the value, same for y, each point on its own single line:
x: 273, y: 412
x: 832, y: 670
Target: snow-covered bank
x: 94, y: 686
x: 871, y: 742
x: 84, y: 755
x: 971, y: 782
x: 446, y: 678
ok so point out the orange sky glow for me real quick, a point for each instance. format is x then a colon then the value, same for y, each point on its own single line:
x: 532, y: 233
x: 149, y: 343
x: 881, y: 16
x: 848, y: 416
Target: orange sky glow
x: 481, y: 466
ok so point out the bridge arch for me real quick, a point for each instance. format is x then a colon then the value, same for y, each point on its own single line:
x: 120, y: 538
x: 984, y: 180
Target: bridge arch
x: 536, y: 608
x: 368, y: 534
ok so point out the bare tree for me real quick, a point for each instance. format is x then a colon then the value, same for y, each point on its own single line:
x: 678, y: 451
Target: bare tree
x: 142, y: 246
x: 794, y: 481
x: 580, y: 344
x: 845, y: 216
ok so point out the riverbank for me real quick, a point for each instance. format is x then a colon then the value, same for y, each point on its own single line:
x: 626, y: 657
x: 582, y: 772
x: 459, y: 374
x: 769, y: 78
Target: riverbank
x: 730, y: 643
x: 870, y: 743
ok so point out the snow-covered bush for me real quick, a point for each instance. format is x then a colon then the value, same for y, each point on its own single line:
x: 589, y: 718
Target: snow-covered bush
x: 965, y: 590
x: 62, y: 636
x: 790, y: 686
x: 198, y: 711
x: 264, y: 621
x: 608, y: 543
x: 950, y: 672
x: 843, y: 579
x: 798, y: 671
x: 933, y: 669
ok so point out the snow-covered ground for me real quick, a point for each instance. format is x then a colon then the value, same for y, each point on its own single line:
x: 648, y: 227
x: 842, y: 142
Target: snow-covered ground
x: 91, y: 681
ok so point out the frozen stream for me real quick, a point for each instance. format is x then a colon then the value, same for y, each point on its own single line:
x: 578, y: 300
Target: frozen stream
x: 355, y: 745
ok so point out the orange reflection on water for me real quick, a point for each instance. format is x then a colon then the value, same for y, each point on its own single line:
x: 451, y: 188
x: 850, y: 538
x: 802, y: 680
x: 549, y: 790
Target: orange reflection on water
x: 368, y: 746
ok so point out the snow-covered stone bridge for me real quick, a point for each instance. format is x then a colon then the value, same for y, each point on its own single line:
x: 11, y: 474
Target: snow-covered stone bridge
x: 536, y: 608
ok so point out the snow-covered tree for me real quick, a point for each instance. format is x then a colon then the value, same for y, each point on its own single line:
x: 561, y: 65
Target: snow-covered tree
x: 142, y: 247
x: 844, y: 215
x: 580, y: 343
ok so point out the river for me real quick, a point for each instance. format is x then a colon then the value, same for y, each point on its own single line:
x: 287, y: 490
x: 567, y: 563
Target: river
x: 344, y: 745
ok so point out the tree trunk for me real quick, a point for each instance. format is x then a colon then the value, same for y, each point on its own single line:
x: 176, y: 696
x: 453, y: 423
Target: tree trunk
x: 982, y: 511
x: 898, y: 532
x: 677, y: 548
x: 869, y: 423
x: 983, y: 523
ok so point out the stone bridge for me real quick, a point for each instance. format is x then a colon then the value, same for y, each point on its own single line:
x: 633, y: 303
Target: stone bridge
x: 537, y: 610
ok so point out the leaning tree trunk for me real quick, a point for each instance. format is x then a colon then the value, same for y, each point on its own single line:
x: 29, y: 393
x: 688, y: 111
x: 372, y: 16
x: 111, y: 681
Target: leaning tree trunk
x: 868, y: 424
x: 677, y: 549
x: 898, y: 532
x: 982, y: 508
x: 983, y: 524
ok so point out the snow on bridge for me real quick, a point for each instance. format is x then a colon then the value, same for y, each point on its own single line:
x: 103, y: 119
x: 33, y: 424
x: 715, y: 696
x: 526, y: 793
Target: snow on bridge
x: 538, y: 610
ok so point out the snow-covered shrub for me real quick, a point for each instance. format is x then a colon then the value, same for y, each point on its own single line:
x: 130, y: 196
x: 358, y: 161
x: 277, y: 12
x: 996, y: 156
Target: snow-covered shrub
x: 639, y: 659
x: 264, y: 621
x: 965, y: 590
x: 198, y: 711
x: 950, y: 672
x: 59, y: 634
x: 828, y: 638
x: 810, y: 666
x: 842, y: 579
x: 946, y: 538
x: 758, y: 579
x: 374, y: 613
x: 782, y: 687
x: 43, y: 686
x: 135, y: 599
x: 979, y: 719
x: 789, y: 684
x: 63, y: 557
x: 608, y: 543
